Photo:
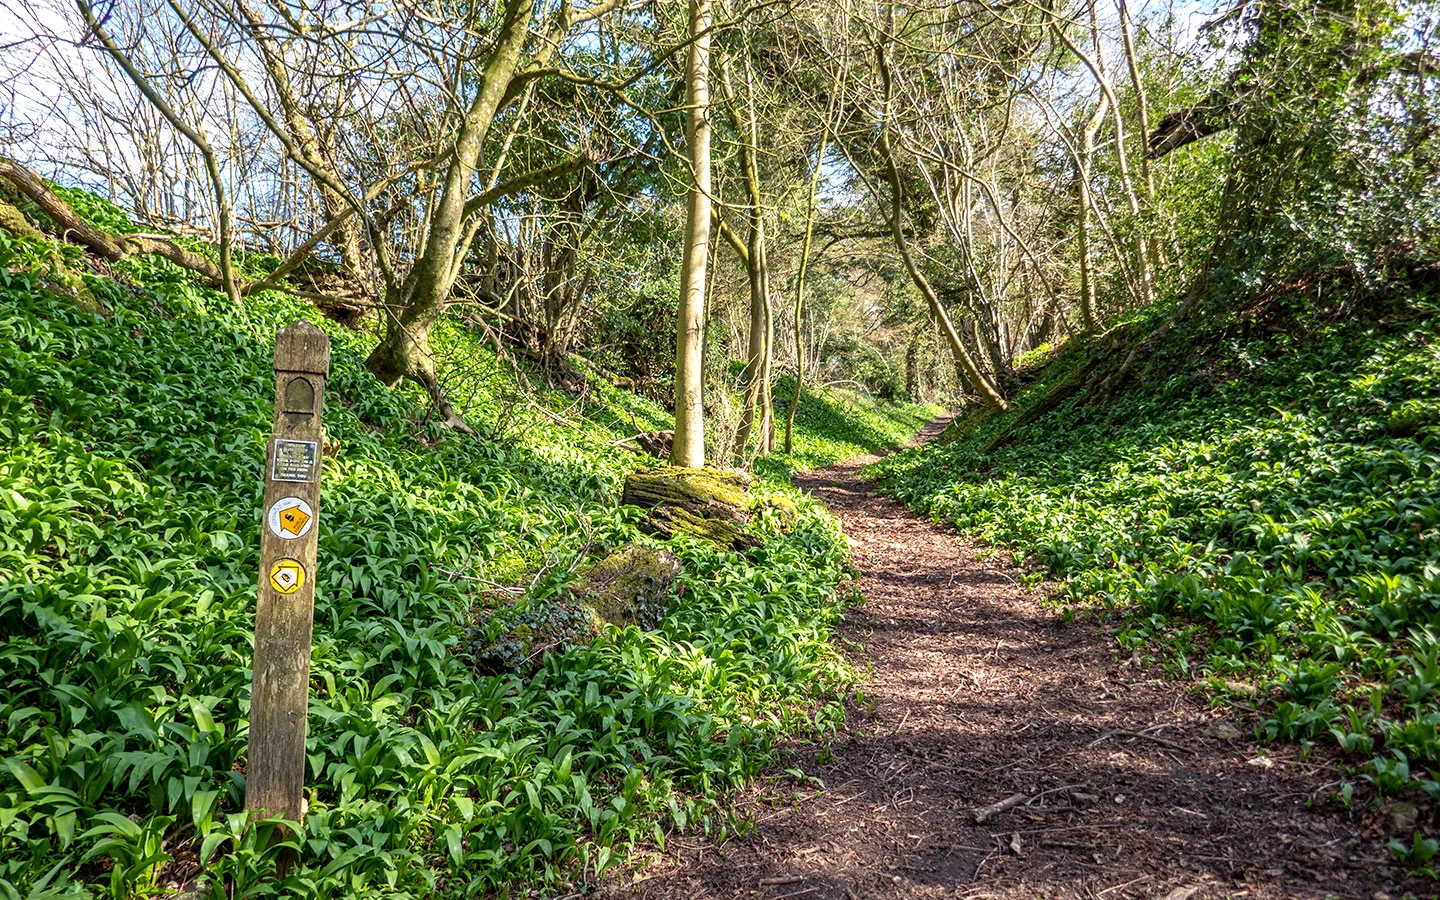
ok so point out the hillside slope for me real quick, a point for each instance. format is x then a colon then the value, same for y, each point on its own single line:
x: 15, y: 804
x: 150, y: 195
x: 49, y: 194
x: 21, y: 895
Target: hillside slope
x: 1258, y: 505
x: 131, y: 448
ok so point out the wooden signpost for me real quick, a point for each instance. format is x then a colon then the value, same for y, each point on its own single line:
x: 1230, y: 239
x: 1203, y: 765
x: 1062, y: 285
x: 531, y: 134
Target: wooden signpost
x: 284, y: 614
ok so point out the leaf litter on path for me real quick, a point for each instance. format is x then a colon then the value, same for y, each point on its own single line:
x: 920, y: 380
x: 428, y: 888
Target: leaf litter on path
x: 1001, y: 752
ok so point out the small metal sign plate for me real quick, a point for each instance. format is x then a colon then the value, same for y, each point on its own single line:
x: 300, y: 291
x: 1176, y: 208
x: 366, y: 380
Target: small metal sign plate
x: 295, y: 461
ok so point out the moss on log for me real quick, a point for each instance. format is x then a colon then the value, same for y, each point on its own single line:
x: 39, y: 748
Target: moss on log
x: 708, y: 503
x: 630, y: 586
x: 13, y: 221
x: 781, y: 512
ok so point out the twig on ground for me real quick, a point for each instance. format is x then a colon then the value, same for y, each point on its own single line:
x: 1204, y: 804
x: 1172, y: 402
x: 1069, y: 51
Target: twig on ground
x: 994, y: 851
x: 490, y: 584
x: 1120, y: 886
x: 986, y: 813
x: 1063, y: 787
x: 1142, y: 736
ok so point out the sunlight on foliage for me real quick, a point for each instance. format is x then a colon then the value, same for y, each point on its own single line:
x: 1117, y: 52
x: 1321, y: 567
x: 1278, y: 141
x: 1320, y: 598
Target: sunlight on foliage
x: 131, y: 449
x: 1268, y: 511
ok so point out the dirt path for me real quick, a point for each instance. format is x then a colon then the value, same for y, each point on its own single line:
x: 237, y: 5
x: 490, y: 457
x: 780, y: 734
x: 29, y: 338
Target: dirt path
x: 1132, y: 786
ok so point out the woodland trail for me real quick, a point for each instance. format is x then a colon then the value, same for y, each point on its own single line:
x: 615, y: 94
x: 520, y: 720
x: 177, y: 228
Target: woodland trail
x: 1133, y: 786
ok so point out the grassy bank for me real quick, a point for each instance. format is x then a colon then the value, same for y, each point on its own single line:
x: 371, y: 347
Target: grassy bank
x: 1260, y: 507
x: 836, y: 423
x: 131, y: 447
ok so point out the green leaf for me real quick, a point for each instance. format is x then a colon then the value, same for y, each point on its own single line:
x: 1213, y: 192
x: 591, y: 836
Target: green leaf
x: 453, y: 842
x: 28, y: 777
x: 432, y: 755
x: 113, y: 823
x: 465, y: 806
x: 200, y: 807
x: 212, y: 841
x: 203, y: 720
x: 65, y: 829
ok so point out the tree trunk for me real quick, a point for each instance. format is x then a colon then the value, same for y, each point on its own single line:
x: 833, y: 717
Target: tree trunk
x: 758, y: 340
x: 757, y: 402
x: 223, y: 212
x: 335, y: 207
x: 1142, y: 122
x: 689, y: 447
x: 800, y: 290
x: 411, y: 312
x: 1088, y: 319
x: 1142, y: 106
x: 767, y: 372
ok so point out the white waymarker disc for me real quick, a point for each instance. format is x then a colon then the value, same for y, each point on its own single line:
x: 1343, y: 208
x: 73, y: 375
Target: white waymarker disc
x: 290, y: 518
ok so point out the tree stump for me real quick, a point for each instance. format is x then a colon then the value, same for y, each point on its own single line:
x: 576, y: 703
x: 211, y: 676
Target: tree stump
x: 630, y: 586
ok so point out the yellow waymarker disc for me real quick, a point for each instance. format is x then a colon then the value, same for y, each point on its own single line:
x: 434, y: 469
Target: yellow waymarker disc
x: 287, y: 576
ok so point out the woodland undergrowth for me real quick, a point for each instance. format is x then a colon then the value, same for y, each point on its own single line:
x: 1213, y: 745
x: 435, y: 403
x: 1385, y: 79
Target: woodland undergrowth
x: 131, y: 448
x: 1257, y: 507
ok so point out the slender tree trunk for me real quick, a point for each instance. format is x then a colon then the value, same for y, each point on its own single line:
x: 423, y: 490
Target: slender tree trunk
x: 767, y: 369
x: 224, y: 215
x: 335, y: 208
x: 1142, y: 106
x: 413, y: 309
x: 1088, y: 319
x: 800, y: 289
x: 688, y: 448
x: 1142, y: 121
x: 758, y: 340
x: 756, y: 407
x: 1109, y: 103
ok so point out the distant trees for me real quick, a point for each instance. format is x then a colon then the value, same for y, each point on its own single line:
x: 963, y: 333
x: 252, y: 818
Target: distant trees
x: 403, y: 131
x: 912, y: 177
x: 1329, y: 113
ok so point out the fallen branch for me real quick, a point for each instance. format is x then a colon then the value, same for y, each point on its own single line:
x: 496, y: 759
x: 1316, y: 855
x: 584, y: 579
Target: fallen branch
x: 655, y: 443
x: 490, y: 584
x: 111, y: 247
x: 778, y: 880
x: 557, y: 419
x: 114, y: 247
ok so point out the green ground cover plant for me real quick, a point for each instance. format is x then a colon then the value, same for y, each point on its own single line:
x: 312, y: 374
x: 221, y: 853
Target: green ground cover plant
x: 131, y: 447
x: 837, y: 423
x: 1262, y: 506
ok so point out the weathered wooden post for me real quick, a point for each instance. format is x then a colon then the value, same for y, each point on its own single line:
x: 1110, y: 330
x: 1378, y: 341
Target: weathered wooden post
x: 284, y: 614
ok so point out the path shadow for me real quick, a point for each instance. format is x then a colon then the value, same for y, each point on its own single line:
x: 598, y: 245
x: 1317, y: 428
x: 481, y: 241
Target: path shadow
x: 974, y: 692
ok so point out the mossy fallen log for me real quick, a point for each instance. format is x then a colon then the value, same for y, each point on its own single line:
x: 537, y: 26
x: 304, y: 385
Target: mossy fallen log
x: 630, y: 586
x: 14, y: 221
x: 781, y: 511
x: 708, y: 503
